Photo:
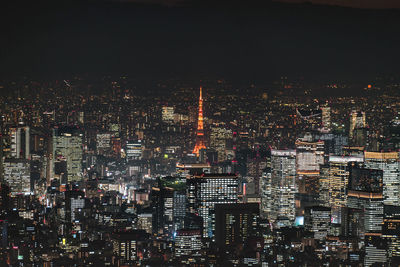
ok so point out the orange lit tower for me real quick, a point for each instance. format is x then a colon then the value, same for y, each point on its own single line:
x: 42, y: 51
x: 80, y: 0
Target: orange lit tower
x: 200, y: 144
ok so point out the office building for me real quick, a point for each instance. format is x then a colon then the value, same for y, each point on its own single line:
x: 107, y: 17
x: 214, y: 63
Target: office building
x: 338, y: 180
x: 375, y: 250
x: 219, y: 136
x: 67, y: 144
x: 169, y: 205
x: 134, y: 150
x: 145, y: 222
x: 371, y: 203
x: 167, y: 114
x: 317, y: 220
x: 128, y: 246
x: 205, y: 191
x: 20, y: 142
x: 391, y: 231
x: 279, y: 183
x: 187, y: 243
x: 236, y: 224
x: 17, y: 174
x: 357, y: 120
x: 326, y: 117
x: 388, y: 162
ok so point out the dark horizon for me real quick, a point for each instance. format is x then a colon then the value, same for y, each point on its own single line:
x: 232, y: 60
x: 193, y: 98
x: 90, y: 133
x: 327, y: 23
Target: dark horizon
x: 258, y: 41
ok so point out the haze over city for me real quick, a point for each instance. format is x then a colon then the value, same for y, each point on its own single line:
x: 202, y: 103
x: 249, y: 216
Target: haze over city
x: 200, y: 133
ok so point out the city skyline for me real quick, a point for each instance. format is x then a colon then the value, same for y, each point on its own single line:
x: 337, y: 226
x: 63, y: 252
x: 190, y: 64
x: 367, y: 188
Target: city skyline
x: 200, y: 133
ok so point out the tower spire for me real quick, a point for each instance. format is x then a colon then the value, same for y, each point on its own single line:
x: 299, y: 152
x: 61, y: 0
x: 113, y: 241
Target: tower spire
x: 200, y: 144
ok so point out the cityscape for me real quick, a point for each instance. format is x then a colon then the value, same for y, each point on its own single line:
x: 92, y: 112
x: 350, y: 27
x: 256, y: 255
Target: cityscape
x: 188, y: 166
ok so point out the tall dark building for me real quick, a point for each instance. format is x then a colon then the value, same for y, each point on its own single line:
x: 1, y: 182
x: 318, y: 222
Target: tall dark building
x: 205, y: 191
x: 363, y: 179
x: 129, y: 246
x: 169, y: 205
x: 236, y: 224
x: 4, y: 197
x: 391, y: 232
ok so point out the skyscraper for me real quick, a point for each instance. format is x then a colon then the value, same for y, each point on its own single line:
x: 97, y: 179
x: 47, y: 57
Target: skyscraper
x: 205, y: 191
x: 219, y: 136
x: 338, y: 180
x: 236, y: 223
x: 20, y: 142
x: 280, y: 182
x: 389, y: 164
x: 357, y: 120
x: 167, y: 114
x: 17, y: 174
x: 67, y: 143
x: 326, y: 118
x: 187, y: 242
x: 317, y: 220
x: 169, y: 205
x: 200, y: 142
x: 129, y: 246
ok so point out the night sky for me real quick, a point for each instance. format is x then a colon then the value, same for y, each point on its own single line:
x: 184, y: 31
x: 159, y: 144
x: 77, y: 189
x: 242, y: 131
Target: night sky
x: 249, y: 40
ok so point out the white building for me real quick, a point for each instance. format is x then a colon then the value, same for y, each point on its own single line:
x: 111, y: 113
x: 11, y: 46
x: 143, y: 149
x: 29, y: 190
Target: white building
x: 389, y: 164
x: 206, y: 190
x: 280, y: 185
x: 187, y: 242
x: 17, y: 174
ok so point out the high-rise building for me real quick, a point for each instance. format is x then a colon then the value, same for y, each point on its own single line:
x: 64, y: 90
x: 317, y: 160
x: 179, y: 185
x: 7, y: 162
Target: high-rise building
x: 352, y: 225
x: 280, y: 185
x: 134, y: 150
x: 236, y: 224
x: 20, y: 142
x: 103, y: 143
x: 169, y: 205
x: 17, y: 174
x: 364, y: 192
x: 326, y: 117
x: 338, y: 180
x: 145, y: 222
x: 309, y: 158
x: 324, y: 186
x: 200, y: 140
x: 375, y: 250
x: 309, y: 155
x: 391, y: 230
x: 371, y: 203
x: 4, y: 197
x: 317, y: 220
x: 389, y: 163
x: 357, y: 120
x: 74, y: 202
x: 218, y: 140
x: 205, y: 191
x: 365, y: 200
x: 187, y: 243
x: 167, y: 114
x: 360, y: 137
x: 363, y: 179
x: 67, y: 143
x: 128, y: 246
x: 162, y: 203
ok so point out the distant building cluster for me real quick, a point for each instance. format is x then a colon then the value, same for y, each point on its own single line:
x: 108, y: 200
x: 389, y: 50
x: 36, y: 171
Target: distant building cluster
x: 280, y: 177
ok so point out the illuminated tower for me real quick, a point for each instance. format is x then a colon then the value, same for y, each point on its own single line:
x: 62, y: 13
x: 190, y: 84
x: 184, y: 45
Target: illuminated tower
x: 200, y: 144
